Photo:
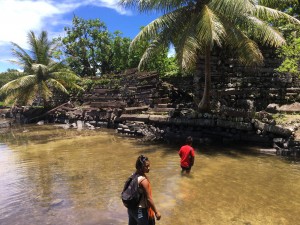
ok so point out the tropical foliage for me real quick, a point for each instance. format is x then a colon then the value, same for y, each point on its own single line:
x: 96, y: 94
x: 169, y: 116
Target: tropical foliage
x: 290, y: 53
x: 9, y: 75
x: 91, y: 50
x: 87, y: 46
x: 195, y: 28
x: 42, y: 75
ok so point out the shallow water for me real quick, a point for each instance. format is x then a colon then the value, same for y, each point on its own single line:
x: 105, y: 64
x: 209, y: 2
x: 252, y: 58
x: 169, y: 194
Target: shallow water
x: 49, y: 175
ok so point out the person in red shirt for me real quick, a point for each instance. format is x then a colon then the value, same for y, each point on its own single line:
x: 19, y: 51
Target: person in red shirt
x: 187, y: 156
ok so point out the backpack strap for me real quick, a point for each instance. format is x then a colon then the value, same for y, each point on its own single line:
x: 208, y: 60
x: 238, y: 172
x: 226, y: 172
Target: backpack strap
x: 144, y: 178
x: 143, y: 197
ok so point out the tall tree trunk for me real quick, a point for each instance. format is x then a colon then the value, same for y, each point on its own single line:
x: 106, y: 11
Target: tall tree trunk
x: 204, y: 105
x: 197, y: 78
x: 196, y: 82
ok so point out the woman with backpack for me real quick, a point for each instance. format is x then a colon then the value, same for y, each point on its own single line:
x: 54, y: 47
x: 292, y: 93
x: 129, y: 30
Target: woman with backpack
x: 146, y: 211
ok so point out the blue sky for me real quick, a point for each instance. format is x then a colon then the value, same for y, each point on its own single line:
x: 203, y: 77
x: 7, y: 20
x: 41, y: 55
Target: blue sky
x: 20, y: 16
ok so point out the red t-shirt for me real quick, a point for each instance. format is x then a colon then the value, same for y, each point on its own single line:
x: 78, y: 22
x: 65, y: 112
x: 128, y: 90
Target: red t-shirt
x: 184, y: 153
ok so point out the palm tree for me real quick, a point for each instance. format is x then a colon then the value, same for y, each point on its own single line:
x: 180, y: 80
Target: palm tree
x: 42, y: 74
x: 196, y: 27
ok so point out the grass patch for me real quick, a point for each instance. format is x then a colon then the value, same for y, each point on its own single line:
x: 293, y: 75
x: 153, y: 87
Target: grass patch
x: 282, y: 118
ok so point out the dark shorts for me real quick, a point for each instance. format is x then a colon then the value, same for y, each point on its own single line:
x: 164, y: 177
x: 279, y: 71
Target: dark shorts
x: 139, y: 216
x: 186, y: 168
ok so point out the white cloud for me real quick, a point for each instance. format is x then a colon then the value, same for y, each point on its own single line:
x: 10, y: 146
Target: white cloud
x: 112, y: 4
x: 18, y: 17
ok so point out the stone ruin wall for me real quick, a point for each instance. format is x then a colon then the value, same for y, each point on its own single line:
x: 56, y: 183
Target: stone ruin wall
x: 143, y: 104
x: 233, y: 84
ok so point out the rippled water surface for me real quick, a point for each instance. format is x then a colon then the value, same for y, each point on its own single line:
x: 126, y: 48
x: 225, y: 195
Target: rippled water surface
x: 49, y: 175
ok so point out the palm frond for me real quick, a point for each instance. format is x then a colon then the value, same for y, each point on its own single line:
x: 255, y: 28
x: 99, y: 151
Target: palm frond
x: 39, y: 47
x: 17, y: 84
x: 242, y: 47
x: 248, y: 53
x: 65, y: 74
x: 172, y: 23
x: 54, y: 66
x: 67, y: 78
x: 210, y: 29
x: 275, y: 3
x: 264, y: 33
x: 57, y: 85
x: 150, y: 51
x: 44, y: 47
x: 232, y: 9
x: 155, y: 5
x: 29, y: 96
x: 24, y: 58
x: 266, y: 13
x: 46, y: 73
x: 24, y: 95
x: 146, y: 33
x: 187, y: 44
x: 190, y: 53
x: 12, y: 98
x: 184, y: 37
x: 29, y: 80
x: 32, y: 41
x: 44, y: 91
x: 18, y: 63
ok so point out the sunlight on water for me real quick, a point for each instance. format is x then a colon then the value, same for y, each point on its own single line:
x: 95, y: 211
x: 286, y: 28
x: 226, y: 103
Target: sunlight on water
x: 49, y: 175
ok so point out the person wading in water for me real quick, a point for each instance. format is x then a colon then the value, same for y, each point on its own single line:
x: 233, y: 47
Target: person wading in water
x: 146, y: 212
x: 187, y: 156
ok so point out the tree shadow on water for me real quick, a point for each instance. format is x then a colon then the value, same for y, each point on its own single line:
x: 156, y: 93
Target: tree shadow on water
x: 237, y: 150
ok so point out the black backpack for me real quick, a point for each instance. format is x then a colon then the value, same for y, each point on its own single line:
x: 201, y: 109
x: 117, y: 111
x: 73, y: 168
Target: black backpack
x: 130, y: 195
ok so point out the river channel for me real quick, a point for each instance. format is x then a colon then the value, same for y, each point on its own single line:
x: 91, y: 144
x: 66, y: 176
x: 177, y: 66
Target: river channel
x: 49, y: 175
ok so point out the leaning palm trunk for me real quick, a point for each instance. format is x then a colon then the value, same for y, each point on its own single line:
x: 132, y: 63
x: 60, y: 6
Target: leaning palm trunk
x: 204, y: 105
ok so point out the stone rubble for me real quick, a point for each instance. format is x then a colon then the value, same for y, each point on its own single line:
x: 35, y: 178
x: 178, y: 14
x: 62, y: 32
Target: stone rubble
x: 147, y: 107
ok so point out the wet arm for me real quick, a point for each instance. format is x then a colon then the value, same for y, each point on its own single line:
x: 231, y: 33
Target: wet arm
x: 192, y: 160
x: 146, y: 185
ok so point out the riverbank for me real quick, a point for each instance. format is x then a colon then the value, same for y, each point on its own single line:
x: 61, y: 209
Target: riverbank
x: 147, y: 107
x: 206, y: 129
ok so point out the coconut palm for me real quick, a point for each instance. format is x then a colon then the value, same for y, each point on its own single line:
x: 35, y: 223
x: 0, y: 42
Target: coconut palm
x: 42, y: 74
x: 196, y: 27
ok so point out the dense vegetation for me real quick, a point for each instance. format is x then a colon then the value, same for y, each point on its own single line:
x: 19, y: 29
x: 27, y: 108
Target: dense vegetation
x: 290, y: 52
x: 91, y: 50
x: 194, y: 28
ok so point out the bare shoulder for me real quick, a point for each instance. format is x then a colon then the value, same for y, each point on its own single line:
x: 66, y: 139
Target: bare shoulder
x: 142, y: 179
x: 144, y: 182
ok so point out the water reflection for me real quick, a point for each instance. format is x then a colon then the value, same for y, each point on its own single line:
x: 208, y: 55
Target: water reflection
x: 49, y: 175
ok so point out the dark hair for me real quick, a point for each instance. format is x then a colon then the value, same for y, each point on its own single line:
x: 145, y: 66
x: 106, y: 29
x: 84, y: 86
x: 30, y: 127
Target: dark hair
x: 140, y: 162
x: 189, y: 140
